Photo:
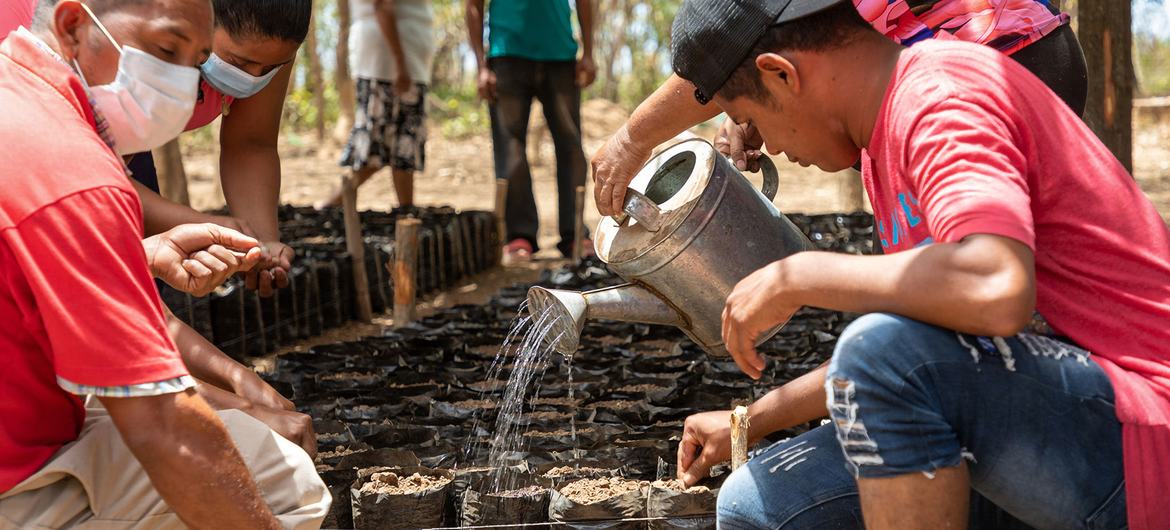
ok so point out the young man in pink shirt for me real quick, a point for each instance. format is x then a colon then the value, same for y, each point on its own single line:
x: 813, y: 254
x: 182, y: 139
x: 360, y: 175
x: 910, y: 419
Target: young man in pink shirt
x: 1015, y: 349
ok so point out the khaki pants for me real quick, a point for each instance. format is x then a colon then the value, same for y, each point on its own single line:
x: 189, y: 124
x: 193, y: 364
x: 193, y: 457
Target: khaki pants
x: 95, y: 482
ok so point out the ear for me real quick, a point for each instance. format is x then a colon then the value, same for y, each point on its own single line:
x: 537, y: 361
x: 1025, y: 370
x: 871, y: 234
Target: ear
x: 778, y: 73
x: 69, y: 21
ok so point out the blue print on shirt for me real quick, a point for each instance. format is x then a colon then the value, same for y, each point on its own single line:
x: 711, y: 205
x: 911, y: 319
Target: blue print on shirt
x: 901, y: 220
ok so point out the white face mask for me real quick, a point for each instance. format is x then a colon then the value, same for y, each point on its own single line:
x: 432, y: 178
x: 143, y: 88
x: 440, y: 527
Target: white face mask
x: 150, y: 101
x: 230, y: 80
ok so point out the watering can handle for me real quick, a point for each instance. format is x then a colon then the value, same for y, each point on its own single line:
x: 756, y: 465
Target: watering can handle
x: 641, y: 209
x: 771, y: 183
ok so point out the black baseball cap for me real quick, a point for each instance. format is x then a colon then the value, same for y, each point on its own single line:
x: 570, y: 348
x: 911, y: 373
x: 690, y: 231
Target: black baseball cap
x: 710, y: 38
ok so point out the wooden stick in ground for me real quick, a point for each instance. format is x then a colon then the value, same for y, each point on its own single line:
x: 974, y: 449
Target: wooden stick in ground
x: 405, y: 264
x: 356, y: 247
x: 579, y: 218
x: 739, y: 437
x: 501, y: 205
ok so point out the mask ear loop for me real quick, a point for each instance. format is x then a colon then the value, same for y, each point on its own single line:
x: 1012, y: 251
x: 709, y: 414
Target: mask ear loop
x: 101, y: 26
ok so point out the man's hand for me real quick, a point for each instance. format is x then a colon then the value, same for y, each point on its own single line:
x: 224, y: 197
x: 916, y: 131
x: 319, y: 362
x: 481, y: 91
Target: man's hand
x: 755, y: 306
x: 586, y: 71
x: 293, y: 426
x: 741, y: 143
x: 614, y: 166
x: 197, y: 258
x: 706, y: 441
x: 403, y: 84
x: 272, y: 273
x: 486, y: 84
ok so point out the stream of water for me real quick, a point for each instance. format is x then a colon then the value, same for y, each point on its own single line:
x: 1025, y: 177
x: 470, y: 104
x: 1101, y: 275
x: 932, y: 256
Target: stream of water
x: 528, y: 348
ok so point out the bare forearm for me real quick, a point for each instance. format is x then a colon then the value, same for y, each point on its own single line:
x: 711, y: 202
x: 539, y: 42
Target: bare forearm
x: 473, y: 13
x: 799, y: 401
x: 160, y: 214
x: 205, y: 361
x: 388, y: 23
x: 585, y: 17
x: 670, y: 110
x: 984, y: 285
x: 191, y: 460
x: 251, y: 185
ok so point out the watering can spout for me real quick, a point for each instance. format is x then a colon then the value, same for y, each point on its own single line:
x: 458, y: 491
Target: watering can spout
x: 566, y: 311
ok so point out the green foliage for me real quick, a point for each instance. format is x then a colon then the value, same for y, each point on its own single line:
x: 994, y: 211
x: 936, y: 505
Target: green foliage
x: 458, y: 111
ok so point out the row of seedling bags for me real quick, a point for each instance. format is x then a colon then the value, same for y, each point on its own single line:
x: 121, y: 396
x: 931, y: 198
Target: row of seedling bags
x: 321, y: 293
x: 580, y: 494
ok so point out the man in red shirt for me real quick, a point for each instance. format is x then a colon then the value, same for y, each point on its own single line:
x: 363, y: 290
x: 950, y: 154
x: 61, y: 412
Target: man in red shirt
x: 79, y: 314
x: 1015, y: 343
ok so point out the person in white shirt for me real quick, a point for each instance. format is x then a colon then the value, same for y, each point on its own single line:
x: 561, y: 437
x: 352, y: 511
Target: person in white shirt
x: 391, y: 44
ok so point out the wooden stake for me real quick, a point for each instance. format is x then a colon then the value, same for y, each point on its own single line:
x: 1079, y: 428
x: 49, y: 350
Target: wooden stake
x: 172, y: 178
x: 405, y: 269
x: 356, y: 247
x: 579, y: 218
x: 501, y: 226
x: 739, y: 437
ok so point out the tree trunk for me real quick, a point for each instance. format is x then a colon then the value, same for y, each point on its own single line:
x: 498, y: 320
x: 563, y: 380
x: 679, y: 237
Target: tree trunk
x: 172, y: 178
x: 618, y: 41
x: 341, y: 77
x: 1107, y: 38
x: 316, y: 81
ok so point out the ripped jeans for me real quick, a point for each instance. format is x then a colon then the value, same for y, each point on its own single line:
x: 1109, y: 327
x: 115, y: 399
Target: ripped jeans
x: 1033, y: 417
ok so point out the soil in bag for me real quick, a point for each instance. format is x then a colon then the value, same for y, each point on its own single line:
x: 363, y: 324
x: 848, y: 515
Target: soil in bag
x: 404, y: 498
x: 599, y: 503
x: 518, y: 503
x: 679, y: 506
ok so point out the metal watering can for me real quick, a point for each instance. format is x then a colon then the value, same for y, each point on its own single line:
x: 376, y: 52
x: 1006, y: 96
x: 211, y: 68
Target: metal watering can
x: 693, y: 226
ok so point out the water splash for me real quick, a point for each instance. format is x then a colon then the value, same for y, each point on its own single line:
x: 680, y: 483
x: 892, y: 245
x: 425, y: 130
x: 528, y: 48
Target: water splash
x: 529, y: 347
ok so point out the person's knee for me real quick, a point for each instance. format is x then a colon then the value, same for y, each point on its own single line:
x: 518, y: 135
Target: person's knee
x: 883, y: 344
x: 281, y: 469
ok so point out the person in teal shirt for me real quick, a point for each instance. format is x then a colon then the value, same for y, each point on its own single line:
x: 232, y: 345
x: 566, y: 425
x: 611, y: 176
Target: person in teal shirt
x: 531, y: 53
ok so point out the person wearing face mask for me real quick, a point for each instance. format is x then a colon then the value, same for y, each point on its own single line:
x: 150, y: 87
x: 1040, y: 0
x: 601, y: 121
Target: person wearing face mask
x: 79, y: 319
x: 244, y: 80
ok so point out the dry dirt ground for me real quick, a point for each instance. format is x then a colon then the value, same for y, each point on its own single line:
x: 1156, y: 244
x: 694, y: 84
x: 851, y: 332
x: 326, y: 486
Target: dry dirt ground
x: 459, y: 173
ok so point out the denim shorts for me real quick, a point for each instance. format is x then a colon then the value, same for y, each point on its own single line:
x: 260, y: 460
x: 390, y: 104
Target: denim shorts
x: 1032, y: 417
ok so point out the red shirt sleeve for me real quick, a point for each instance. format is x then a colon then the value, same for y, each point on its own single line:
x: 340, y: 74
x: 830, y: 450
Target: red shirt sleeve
x: 969, y: 173
x: 83, y: 259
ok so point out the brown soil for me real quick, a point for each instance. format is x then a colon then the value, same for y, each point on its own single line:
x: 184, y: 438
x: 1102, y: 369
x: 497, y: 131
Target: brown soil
x: 412, y: 385
x: 645, y: 387
x: 530, y: 491
x: 548, y: 416
x: 340, y: 451
x: 391, y: 484
x: 555, y: 402
x: 570, y: 471
x: 555, y: 434
x: 486, y: 404
x: 363, y: 377
x: 331, y: 438
x: 677, y: 485
x: 612, y: 405
x: 591, y: 490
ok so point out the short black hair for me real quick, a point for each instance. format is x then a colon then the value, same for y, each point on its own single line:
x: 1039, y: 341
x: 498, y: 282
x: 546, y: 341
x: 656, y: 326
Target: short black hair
x: 43, y: 14
x: 280, y: 19
x: 830, y: 29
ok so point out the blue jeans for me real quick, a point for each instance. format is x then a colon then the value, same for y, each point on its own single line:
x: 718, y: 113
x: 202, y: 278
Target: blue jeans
x: 1032, y: 416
